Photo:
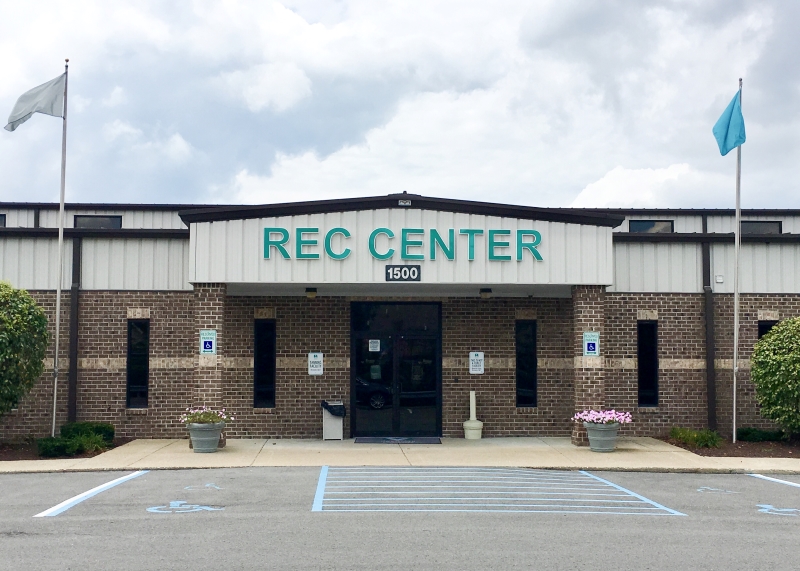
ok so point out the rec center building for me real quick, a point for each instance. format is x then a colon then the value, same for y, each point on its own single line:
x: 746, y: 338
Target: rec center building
x: 398, y: 306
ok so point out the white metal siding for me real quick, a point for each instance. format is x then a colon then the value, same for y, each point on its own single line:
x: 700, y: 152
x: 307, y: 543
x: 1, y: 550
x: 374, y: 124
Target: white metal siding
x: 135, y: 264
x: 232, y: 251
x: 682, y: 223
x: 32, y: 263
x: 18, y: 218
x: 791, y: 224
x: 763, y: 268
x: 155, y: 219
x: 657, y: 267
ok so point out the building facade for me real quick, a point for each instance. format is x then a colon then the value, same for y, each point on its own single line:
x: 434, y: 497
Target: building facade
x: 398, y: 306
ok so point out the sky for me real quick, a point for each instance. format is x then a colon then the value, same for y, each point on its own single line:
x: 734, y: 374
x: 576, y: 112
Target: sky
x: 564, y: 103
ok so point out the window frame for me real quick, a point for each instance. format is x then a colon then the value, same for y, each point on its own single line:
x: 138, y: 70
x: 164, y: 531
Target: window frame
x: 117, y: 218
x: 532, y: 386
x: 133, y: 391
x: 264, y: 380
x: 765, y: 325
x: 748, y: 222
x: 670, y: 222
x: 647, y: 387
x: 2, y: 220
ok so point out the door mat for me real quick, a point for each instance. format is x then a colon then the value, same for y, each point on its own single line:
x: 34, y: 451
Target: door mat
x: 398, y: 440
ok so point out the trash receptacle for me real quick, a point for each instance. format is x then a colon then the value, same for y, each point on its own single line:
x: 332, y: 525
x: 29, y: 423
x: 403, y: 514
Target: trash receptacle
x: 333, y: 414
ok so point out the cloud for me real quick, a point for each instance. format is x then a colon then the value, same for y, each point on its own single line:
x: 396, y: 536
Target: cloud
x: 278, y: 86
x: 115, y: 98
x: 117, y: 128
x: 676, y: 186
x: 532, y: 103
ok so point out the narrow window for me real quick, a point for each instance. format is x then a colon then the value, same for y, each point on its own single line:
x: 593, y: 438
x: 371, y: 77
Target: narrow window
x: 764, y: 327
x: 647, y: 349
x: 264, y: 364
x: 138, y: 362
x: 526, y: 363
x: 2, y: 220
x: 761, y: 227
x: 651, y: 226
x: 111, y: 222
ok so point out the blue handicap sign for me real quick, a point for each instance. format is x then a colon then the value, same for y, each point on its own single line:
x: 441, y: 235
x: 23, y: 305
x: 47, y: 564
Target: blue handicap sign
x: 208, y: 345
x: 591, y: 347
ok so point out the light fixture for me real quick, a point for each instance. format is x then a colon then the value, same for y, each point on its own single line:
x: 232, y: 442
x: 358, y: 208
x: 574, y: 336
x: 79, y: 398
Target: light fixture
x: 486, y: 292
x: 311, y: 292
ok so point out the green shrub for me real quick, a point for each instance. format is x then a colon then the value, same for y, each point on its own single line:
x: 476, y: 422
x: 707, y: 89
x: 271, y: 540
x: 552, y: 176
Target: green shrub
x: 23, y: 345
x: 102, y: 429
x: 51, y: 447
x: 697, y: 438
x: 87, y: 443
x: 775, y: 372
x: 78, y: 444
x: 750, y: 434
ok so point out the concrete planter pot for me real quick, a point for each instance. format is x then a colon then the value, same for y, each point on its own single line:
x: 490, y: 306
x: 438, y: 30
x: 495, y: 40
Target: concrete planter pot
x: 205, y: 437
x: 602, y: 437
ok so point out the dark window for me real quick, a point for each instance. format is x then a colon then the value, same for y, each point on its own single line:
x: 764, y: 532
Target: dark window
x: 651, y: 226
x: 264, y: 364
x: 138, y: 362
x: 764, y: 327
x: 113, y: 222
x: 759, y: 227
x: 647, y: 352
x: 526, y: 362
x: 2, y: 220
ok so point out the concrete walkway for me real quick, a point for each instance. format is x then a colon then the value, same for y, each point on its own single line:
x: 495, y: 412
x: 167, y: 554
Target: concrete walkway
x: 633, y: 454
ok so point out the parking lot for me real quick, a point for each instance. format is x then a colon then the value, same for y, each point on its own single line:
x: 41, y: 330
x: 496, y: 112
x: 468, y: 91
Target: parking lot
x: 307, y: 518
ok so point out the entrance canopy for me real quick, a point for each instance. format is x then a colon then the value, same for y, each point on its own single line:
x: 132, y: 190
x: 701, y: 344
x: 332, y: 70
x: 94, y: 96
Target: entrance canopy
x: 401, y: 244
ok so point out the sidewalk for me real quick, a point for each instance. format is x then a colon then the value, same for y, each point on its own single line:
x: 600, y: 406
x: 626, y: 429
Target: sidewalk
x: 632, y: 454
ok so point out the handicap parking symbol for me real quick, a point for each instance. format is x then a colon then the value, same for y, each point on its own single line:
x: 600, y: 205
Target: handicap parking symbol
x: 768, y: 509
x: 208, y: 345
x: 181, y: 507
x: 591, y: 347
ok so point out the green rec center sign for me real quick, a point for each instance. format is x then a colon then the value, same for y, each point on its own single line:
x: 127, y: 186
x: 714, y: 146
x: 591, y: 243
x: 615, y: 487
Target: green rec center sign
x: 411, y: 244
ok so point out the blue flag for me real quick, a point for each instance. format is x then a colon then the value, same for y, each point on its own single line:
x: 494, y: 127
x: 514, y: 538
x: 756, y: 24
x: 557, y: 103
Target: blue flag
x: 729, y: 129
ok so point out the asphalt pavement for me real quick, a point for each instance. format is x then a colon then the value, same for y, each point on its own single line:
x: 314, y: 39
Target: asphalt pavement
x: 272, y: 518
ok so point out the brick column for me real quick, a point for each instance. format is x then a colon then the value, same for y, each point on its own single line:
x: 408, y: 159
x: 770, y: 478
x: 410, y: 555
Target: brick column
x: 209, y: 313
x: 588, y: 314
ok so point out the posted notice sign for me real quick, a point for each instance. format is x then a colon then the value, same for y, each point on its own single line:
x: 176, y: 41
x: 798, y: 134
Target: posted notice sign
x: 208, y: 341
x: 591, y: 344
x: 476, y: 363
x: 315, y: 363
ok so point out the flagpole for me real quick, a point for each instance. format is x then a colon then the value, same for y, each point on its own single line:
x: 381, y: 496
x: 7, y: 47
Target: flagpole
x: 737, y: 238
x: 60, y: 248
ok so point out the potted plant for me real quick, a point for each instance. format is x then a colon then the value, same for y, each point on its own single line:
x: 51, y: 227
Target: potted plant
x: 602, y: 427
x: 205, y: 425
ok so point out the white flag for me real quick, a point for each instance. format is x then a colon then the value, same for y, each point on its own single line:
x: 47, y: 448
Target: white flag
x: 48, y: 98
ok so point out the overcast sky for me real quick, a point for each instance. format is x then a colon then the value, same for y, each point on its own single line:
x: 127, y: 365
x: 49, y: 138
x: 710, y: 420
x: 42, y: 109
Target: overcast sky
x: 544, y: 103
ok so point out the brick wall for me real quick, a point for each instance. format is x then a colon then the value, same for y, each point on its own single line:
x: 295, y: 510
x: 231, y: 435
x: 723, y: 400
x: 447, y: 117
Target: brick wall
x: 488, y: 326
x: 323, y: 324
x: 681, y: 353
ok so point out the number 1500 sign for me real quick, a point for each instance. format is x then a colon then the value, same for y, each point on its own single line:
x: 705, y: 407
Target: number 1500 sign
x: 402, y: 273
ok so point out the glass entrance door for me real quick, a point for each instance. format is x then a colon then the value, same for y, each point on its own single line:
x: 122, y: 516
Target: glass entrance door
x: 396, y: 388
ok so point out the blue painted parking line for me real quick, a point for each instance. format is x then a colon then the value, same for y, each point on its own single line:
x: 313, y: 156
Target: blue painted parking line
x: 476, y: 490
x: 75, y: 500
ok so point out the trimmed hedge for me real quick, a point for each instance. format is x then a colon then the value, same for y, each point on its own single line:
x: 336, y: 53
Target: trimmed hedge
x: 750, y: 434
x: 698, y: 438
x: 77, y: 438
x: 102, y: 429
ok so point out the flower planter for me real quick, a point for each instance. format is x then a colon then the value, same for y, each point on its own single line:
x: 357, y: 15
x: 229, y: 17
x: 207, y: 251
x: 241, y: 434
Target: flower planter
x: 205, y: 437
x: 602, y: 437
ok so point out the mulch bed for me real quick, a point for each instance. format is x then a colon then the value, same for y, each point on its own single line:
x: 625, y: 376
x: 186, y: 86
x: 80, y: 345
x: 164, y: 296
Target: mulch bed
x: 747, y: 449
x: 27, y: 450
